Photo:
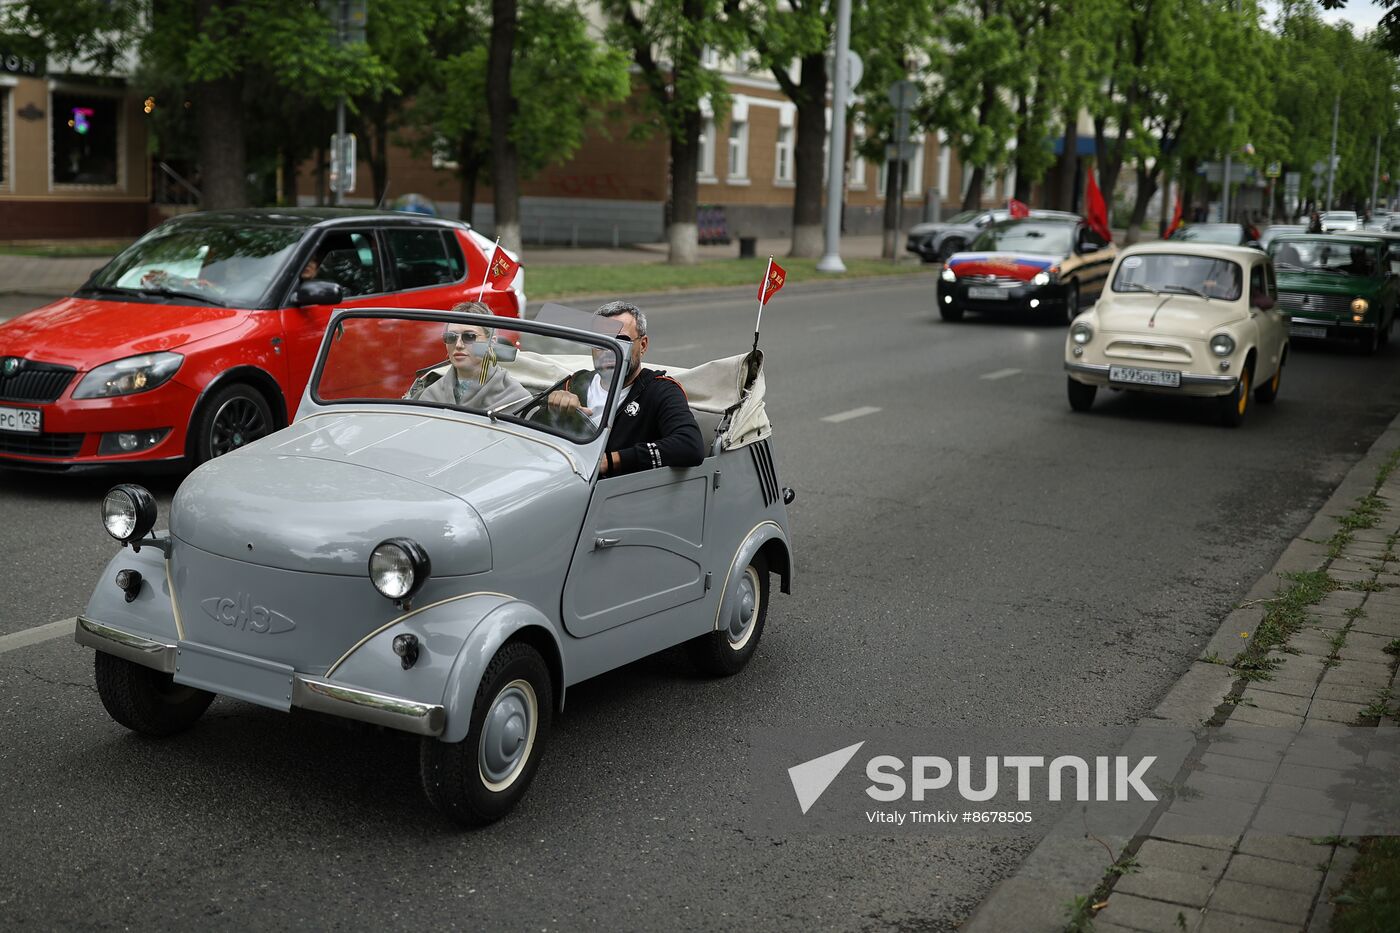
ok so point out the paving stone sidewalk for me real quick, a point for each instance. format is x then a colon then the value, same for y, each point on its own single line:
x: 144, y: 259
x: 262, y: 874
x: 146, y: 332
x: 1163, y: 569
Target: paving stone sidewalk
x: 1257, y: 840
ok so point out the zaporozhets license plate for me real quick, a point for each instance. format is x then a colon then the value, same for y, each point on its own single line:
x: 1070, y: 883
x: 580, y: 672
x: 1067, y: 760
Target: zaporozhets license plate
x: 1303, y: 330
x: 1145, y: 377
x: 989, y: 294
x: 21, y: 420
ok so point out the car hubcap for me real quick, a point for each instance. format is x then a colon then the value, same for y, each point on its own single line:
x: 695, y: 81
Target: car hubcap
x: 1244, y: 391
x: 508, y: 735
x: 746, y: 607
x: 237, y: 422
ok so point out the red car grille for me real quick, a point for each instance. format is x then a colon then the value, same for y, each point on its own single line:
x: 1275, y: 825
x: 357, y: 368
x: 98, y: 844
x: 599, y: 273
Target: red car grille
x: 41, y: 445
x: 35, y: 382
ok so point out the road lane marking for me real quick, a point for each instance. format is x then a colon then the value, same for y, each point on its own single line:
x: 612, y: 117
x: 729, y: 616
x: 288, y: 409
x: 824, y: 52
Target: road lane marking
x: 1000, y: 374
x: 32, y: 636
x: 848, y: 415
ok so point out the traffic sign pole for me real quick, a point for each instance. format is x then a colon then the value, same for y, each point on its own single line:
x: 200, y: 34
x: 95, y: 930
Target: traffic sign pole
x: 836, y: 148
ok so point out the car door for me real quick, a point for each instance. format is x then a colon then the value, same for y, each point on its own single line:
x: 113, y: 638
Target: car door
x: 641, y: 551
x: 352, y: 258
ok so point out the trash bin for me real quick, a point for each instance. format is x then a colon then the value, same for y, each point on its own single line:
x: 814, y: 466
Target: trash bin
x: 748, y: 247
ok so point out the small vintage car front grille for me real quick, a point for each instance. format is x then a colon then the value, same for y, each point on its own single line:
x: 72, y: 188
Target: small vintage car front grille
x: 1302, y: 301
x: 41, y: 445
x: 1148, y: 350
x: 767, y: 475
x: 1001, y: 281
x: 28, y: 381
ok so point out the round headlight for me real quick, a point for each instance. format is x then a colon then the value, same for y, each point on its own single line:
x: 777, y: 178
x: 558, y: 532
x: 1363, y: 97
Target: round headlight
x: 1359, y: 306
x: 1081, y: 334
x: 1041, y: 278
x: 398, y: 568
x: 948, y: 275
x: 1222, y: 345
x: 128, y: 512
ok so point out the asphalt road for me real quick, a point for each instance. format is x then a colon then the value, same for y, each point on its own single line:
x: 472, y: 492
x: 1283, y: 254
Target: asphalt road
x: 970, y: 554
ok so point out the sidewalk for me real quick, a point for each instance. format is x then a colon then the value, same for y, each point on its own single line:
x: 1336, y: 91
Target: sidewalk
x: 1254, y: 838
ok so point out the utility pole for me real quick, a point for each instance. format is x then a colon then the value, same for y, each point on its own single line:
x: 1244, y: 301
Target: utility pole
x: 836, y: 146
x: 1332, y: 159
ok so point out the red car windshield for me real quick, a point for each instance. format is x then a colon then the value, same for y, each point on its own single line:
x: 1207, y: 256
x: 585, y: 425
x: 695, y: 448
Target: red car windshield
x: 220, y: 265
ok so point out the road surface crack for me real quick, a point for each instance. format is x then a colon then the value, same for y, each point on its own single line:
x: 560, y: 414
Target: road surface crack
x: 56, y: 683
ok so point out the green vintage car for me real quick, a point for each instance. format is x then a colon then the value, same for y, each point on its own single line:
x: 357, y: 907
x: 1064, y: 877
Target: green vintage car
x: 1337, y: 286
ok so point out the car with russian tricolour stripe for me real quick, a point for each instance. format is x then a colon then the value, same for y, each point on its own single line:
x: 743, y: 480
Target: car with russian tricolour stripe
x: 1049, y: 266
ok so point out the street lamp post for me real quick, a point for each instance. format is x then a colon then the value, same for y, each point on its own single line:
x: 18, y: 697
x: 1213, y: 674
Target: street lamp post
x: 836, y: 147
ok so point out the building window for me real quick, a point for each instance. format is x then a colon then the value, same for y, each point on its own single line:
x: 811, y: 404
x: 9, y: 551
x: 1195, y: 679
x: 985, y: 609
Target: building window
x: 738, y: 149
x: 783, y: 155
x: 914, y: 171
x: 85, y: 139
x: 706, y: 168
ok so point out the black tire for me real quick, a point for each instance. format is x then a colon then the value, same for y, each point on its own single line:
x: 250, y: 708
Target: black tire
x: 1081, y: 396
x: 1235, y: 406
x: 1267, y: 392
x: 726, y: 652
x: 235, y: 415
x: 950, y: 312
x: 145, y: 700
x: 1072, y: 303
x: 516, y: 686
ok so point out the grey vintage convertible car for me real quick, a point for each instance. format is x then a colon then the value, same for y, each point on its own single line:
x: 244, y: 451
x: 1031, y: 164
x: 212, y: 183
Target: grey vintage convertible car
x: 443, y: 564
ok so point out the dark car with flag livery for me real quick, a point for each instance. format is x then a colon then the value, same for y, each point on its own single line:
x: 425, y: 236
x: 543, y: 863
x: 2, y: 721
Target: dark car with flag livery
x: 1048, y: 267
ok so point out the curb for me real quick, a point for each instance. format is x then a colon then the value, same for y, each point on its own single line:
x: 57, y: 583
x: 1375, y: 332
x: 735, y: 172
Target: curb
x: 1058, y: 869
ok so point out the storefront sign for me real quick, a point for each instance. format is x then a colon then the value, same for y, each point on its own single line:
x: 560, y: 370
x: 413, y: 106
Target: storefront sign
x: 13, y: 63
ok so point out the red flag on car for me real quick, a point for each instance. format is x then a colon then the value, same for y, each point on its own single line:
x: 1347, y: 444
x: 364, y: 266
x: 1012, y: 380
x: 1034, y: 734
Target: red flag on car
x: 1017, y: 209
x: 1095, y: 211
x: 1176, y: 219
x: 772, y: 281
x: 500, y: 271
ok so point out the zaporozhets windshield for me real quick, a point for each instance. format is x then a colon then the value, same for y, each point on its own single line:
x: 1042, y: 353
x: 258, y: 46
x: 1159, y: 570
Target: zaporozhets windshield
x: 549, y: 381
x: 1173, y: 273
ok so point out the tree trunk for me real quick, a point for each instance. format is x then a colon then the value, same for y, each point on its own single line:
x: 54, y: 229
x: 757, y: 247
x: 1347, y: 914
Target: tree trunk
x: 1024, y: 142
x: 973, y: 198
x: 1146, y: 188
x: 894, y: 190
x: 219, y: 122
x: 807, y: 237
x: 1068, y: 166
x: 505, y: 167
x: 379, y: 150
x: 685, y: 191
x: 289, y: 177
x: 1164, y: 216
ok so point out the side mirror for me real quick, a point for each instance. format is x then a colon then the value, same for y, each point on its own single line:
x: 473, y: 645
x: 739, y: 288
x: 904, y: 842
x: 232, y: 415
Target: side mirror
x: 318, y: 292
x: 505, y: 351
x: 1263, y: 301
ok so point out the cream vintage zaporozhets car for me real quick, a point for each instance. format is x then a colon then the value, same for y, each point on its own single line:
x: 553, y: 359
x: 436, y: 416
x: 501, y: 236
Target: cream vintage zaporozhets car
x: 1182, y: 319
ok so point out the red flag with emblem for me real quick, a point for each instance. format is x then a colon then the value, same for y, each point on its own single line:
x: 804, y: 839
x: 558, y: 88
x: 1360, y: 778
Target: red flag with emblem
x: 1017, y: 209
x: 775, y: 280
x: 1095, y: 211
x: 1176, y: 219
x: 500, y: 271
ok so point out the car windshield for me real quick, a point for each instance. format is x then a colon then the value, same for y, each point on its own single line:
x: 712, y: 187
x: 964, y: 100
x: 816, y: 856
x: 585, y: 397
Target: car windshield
x: 963, y: 217
x: 216, y: 264
x: 546, y: 379
x: 1053, y: 239
x: 1173, y: 273
x: 1324, y: 254
x: 1211, y: 233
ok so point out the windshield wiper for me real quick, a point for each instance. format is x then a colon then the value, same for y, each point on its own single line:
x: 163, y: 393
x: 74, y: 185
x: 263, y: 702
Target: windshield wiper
x: 1185, y: 290
x: 165, y: 292
x: 1286, y: 265
x: 106, y: 289
x: 1135, y: 287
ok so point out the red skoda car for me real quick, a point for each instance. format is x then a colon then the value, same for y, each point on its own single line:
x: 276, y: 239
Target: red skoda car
x: 200, y: 336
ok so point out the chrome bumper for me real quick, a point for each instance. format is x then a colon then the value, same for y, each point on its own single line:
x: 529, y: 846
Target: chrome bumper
x: 1187, y: 379
x: 312, y: 693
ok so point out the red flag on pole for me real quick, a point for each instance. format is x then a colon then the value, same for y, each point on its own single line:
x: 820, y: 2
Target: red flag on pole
x: 1095, y: 211
x: 1176, y: 219
x: 1017, y: 209
x: 774, y: 280
x: 500, y: 271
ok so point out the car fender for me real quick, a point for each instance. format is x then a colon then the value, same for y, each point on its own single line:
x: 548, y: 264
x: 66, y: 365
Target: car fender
x: 152, y: 613
x: 778, y: 552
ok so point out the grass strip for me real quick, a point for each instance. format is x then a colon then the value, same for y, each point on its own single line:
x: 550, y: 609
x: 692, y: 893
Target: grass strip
x: 1285, y: 616
x: 1370, y: 898
x: 628, y: 279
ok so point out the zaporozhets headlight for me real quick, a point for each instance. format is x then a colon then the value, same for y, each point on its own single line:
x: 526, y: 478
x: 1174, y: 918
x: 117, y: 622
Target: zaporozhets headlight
x: 1222, y: 345
x: 398, y: 568
x: 1081, y: 334
x: 949, y: 275
x: 129, y: 376
x: 128, y: 512
x: 1359, y: 306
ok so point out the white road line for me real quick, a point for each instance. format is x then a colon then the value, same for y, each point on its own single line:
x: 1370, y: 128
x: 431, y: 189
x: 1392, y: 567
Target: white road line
x: 32, y: 636
x: 848, y: 415
x: 1000, y: 374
